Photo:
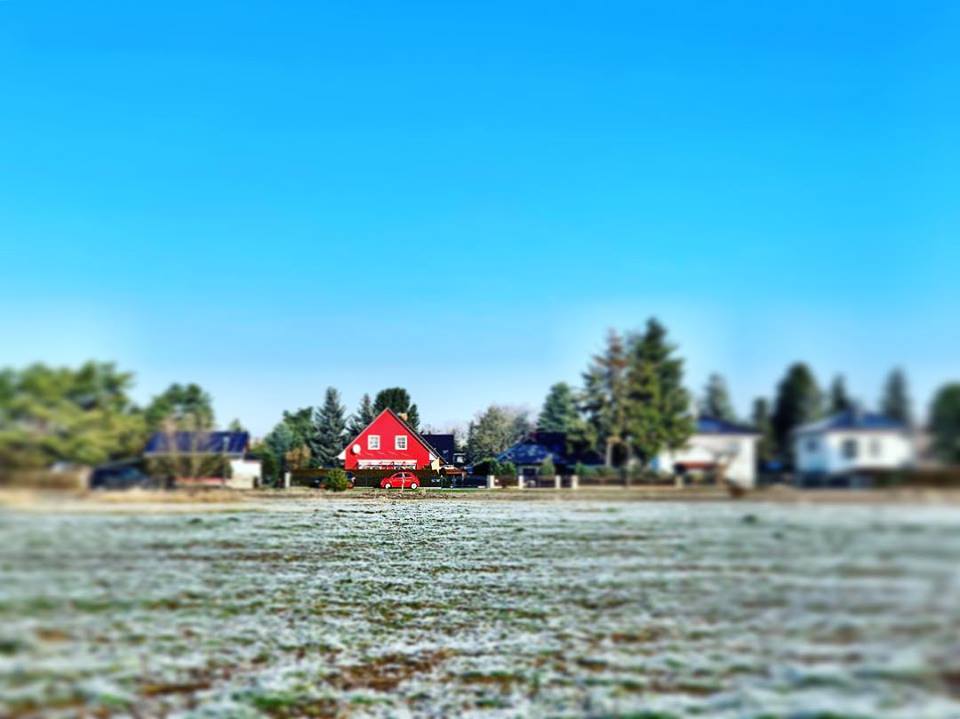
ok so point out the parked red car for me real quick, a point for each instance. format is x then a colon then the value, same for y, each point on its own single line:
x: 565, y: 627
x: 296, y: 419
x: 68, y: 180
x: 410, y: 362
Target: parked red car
x: 402, y: 480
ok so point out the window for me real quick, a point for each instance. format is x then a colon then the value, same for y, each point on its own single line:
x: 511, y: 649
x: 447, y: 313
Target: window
x: 373, y: 441
x: 400, y: 441
x: 811, y: 445
x: 849, y: 449
x: 876, y: 447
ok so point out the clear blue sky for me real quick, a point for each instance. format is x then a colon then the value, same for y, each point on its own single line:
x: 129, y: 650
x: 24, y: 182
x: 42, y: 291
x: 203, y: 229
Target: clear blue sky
x: 271, y: 197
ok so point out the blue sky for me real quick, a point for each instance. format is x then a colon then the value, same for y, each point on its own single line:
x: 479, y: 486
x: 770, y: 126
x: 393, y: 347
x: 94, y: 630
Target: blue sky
x: 269, y: 198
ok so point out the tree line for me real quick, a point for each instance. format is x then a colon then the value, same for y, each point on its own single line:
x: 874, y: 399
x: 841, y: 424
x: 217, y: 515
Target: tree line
x: 631, y: 405
x: 85, y: 415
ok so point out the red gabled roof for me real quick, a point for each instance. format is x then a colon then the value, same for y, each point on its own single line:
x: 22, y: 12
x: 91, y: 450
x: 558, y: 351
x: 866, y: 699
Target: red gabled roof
x: 416, y: 435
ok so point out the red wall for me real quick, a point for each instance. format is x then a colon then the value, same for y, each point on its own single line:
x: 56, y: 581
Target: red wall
x: 388, y: 426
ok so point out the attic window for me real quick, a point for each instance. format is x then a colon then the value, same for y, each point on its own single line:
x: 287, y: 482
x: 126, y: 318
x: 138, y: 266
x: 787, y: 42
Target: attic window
x: 400, y: 441
x: 373, y: 441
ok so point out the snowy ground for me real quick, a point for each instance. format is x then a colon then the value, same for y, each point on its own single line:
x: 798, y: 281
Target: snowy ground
x: 444, y: 607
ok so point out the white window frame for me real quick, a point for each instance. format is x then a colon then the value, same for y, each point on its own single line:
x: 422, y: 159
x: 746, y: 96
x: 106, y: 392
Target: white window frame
x: 373, y: 441
x: 396, y: 442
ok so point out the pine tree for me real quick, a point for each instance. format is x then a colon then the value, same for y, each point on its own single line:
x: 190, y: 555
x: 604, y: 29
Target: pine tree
x: 329, y: 428
x: 559, y: 413
x: 605, y: 397
x: 761, y: 422
x: 658, y: 411
x: 798, y: 401
x: 716, y: 400
x: 896, y: 398
x: 362, y: 417
x: 839, y: 399
x: 945, y: 423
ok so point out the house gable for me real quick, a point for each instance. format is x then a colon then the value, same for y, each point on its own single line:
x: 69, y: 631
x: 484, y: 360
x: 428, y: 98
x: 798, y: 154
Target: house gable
x: 390, y: 451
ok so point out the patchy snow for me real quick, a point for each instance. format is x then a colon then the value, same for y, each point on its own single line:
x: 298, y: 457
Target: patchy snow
x: 448, y: 607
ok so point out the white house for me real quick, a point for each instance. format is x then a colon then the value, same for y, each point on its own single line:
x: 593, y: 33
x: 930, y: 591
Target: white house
x: 717, y: 446
x: 851, y: 441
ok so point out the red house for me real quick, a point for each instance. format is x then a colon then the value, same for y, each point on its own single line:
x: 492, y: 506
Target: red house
x: 389, y: 443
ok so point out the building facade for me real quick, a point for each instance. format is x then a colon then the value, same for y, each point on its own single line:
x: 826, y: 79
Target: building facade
x: 849, y: 442
x: 388, y: 442
x: 719, y: 447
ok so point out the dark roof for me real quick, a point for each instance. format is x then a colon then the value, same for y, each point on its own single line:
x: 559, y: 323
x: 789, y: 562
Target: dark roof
x: 537, y: 446
x: 232, y: 443
x: 853, y: 419
x: 715, y: 425
x: 527, y: 453
x: 445, y: 444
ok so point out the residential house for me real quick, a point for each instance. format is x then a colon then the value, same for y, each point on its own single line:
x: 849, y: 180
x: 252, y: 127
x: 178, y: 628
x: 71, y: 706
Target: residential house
x: 206, y: 447
x: 446, y: 445
x: 724, y: 449
x: 532, y: 451
x: 850, y: 442
x: 388, y: 442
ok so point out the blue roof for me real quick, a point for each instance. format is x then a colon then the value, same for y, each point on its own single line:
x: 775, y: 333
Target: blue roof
x: 853, y: 420
x: 526, y: 453
x: 233, y: 443
x: 715, y: 425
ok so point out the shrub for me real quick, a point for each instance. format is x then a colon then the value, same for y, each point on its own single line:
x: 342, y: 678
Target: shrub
x: 548, y: 469
x: 337, y: 480
x: 508, y: 469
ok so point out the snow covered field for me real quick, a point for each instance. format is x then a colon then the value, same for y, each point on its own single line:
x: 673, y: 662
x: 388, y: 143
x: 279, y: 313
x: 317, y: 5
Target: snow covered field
x: 444, y: 607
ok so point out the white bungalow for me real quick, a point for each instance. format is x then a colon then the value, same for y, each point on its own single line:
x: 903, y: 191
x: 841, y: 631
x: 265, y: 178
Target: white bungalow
x: 717, y: 446
x: 851, y: 441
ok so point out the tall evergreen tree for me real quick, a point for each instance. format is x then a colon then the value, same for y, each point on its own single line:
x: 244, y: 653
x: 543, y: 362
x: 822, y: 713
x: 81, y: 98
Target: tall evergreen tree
x: 362, y: 417
x: 839, y: 399
x: 397, y: 399
x: 658, y: 410
x: 760, y: 417
x: 559, y: 413
x: 716, y: 400
x: 605, y: 398
x: 945, y: 423
x: 896, y: 398
x: 798, y: 401
x: 330, y: 425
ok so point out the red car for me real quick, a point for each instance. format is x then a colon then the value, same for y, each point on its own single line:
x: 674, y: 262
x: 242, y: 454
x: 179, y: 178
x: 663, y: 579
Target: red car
x: 403, y: 480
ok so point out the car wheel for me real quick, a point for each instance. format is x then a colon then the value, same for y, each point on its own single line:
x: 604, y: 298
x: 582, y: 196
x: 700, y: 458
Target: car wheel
x: 413, y: 485
x: 386, y: 486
